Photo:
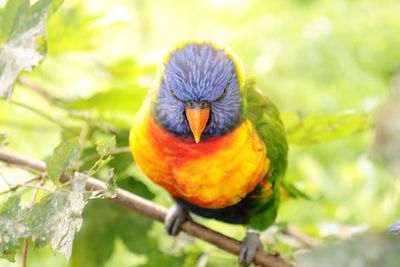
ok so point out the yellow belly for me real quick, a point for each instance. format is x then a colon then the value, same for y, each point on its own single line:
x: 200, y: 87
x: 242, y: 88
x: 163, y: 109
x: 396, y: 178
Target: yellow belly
x: 215, y: 173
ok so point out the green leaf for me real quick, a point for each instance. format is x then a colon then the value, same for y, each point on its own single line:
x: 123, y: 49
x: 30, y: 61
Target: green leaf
x: 121, y: 162
x: 22, y: 35
x: 12, y: 227
x: 95, y: 231
x: 369, y: 250
x: 323, y: 128
x: 20, y: 16
x: 73, y: 29
x: 116, y: 223
x: 64, y: 158
x: 57, y: 217
x: 293, y: 191
x: 132, y: 185
x: 127, y: 99
x: 128, y: 70
x: 105, y: 145
x: 112, y: 188
x: 116, y: 106
x: 99, y: 164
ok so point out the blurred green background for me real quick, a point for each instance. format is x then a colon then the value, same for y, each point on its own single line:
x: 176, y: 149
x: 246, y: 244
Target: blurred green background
x: 310, y: 57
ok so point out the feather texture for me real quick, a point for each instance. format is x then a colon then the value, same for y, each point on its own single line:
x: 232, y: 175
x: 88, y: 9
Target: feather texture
x: 234, y: 174
x: 216, y: 173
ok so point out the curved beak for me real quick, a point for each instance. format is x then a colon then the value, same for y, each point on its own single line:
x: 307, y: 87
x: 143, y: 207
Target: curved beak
x: 197, y: 115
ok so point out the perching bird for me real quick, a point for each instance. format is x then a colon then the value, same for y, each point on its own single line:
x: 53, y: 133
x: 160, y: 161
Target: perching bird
x: 216, y: 144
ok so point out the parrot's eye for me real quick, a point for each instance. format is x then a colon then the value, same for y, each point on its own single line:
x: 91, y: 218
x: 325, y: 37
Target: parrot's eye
x: 172, y: 92
x: 222, y: 95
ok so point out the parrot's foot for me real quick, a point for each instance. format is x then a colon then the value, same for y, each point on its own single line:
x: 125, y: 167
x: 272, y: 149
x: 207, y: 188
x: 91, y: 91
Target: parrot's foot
x: 175, y: 217
x: 249, y: 246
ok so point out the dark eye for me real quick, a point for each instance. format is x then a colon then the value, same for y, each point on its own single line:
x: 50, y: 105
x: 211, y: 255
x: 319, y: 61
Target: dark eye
x: 222, y: 95
x: 172, y: 92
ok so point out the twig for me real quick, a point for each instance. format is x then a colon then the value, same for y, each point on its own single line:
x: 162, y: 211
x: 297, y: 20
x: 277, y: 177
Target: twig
x: 4, y: 180
x: 24, y: 252
x: 26, y: 168
x: 202, y: 261
x: 118, y: 150
x: 38, y: 187
x: 26, y: 82
x: 156, y: 212
x: 27, y: 184
x: 84, y: 134
x: 41, y: 113
x: 96, y: 166
x: 301, y: 237
x: 34, y: 194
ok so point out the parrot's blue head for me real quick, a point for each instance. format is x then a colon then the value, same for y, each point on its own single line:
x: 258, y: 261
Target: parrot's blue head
x: 199, y: 91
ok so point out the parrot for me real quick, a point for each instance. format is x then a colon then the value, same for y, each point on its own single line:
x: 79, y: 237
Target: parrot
x: 206, y: 135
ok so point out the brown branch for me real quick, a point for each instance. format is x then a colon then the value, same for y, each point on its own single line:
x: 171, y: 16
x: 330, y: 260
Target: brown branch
x: 24, y: 252
x: 38, y: 89
x: 156, y: 212
x: 301, y: 237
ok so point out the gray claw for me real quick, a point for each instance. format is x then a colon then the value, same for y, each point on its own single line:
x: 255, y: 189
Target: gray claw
x: 248, y: 248
x: 175, y: 217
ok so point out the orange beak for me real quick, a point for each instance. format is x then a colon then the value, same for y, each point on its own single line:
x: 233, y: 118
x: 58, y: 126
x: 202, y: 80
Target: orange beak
x: 197, y: 118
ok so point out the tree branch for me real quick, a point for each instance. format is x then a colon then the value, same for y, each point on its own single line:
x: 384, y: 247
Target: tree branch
x: 38, y: 89
x: 156, y: 212
x: 302, y: 238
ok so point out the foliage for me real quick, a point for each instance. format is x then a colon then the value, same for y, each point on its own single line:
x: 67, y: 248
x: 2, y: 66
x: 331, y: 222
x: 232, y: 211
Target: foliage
x: 367, y: 251
x: 55, y: 218
x: 326, y: 74
x: 323, y: 128
x: 63, y: 159
x: 22, y: 37
x: 105, y: 146
x: 12, y: 227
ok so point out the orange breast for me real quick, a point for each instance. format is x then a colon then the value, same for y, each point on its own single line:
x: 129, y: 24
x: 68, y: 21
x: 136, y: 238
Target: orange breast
x: 215, y: 173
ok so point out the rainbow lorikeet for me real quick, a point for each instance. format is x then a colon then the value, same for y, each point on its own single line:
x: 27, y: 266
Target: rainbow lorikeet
x: 214, y: 142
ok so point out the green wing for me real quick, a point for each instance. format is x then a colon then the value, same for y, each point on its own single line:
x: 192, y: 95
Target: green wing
x: 266, y: 119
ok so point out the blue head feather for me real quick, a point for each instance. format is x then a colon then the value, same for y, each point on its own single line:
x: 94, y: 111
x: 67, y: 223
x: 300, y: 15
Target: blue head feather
x: 199, y: 72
